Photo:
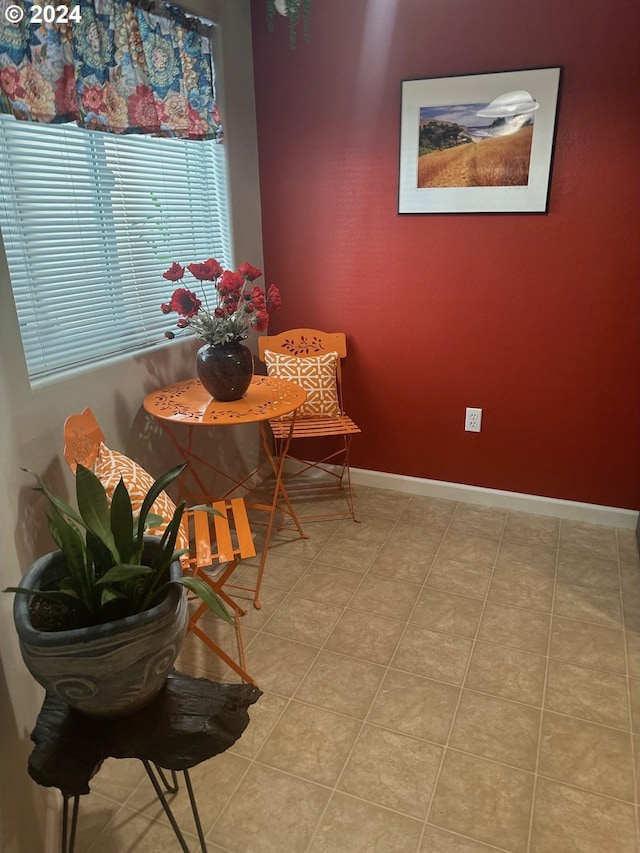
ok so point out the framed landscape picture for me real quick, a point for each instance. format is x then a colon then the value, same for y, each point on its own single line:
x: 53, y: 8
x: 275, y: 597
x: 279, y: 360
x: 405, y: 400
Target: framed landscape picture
x: 482, y: 143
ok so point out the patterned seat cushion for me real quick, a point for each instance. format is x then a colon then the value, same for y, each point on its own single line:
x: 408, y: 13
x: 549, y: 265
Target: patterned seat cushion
x: 316, y: 374
x: 111, y: 465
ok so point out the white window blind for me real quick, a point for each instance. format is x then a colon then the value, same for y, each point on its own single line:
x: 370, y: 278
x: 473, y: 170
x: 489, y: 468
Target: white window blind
x: 90, y: 221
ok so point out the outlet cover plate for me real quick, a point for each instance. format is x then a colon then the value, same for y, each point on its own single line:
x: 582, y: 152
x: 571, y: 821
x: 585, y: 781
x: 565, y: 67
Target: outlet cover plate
x: 473, y: 420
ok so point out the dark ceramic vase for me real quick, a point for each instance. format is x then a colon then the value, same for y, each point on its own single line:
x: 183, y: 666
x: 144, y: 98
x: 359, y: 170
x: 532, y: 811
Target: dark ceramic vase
x: 225, y: 370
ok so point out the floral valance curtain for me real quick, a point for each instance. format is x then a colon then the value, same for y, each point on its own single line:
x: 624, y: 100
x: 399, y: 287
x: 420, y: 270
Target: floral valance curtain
x: 115, y: 66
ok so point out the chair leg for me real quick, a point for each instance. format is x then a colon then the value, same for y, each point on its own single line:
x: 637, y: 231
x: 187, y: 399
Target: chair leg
x: 345, y: 472
x: 347, y: 469
x: 217, y: 585
x: 238, y: 668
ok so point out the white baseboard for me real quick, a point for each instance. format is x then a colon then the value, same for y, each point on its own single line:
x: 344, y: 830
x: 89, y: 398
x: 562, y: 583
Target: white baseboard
x: 536, y: 504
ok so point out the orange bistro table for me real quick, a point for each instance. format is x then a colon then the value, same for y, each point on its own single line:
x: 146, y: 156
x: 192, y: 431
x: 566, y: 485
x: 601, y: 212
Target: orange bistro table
x: 190, y: 404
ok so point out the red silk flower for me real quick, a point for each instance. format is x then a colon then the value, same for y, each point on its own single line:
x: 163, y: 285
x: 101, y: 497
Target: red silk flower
x: 259, y: 320
x: 174, y: 273
x: 210, y: 270
x: 257, y: 297
x: 185, y: 302
x: 274, y: 300
x: 230, y: 283
x: 249, y: 272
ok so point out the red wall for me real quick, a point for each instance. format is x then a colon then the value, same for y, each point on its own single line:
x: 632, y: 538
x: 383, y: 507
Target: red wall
x: 534, y: 318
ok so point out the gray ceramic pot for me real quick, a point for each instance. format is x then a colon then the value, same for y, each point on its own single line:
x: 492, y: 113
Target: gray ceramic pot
x: 107, y: 670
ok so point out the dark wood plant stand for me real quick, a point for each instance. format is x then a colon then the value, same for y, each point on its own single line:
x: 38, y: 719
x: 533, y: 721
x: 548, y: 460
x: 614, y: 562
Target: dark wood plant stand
x: 190, y: 721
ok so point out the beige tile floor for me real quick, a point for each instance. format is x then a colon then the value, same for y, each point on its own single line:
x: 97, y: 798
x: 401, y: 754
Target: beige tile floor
x: 440, y: 678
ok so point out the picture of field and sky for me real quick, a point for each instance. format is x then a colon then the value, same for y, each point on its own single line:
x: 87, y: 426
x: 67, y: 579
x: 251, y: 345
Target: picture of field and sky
x: 477, y: 145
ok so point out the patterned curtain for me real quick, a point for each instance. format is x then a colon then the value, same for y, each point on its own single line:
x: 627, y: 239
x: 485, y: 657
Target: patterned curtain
x: 114, y: 66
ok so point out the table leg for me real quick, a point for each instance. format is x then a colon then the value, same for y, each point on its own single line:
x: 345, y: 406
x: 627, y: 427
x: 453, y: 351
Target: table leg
x: 277, y: 468
x: 278, y: 488
x: 170, y: 787
x: 167, y: 809
x: 187, y: 456
x: 69, y: 837
x: 194, y: 809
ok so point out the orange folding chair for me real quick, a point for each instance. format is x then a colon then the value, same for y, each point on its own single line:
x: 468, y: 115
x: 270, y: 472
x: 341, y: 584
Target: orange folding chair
x: 221, y: 539
x: 313, y: 359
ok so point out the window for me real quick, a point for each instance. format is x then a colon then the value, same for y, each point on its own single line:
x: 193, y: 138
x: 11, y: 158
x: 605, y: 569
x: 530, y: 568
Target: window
x: 90, y: 221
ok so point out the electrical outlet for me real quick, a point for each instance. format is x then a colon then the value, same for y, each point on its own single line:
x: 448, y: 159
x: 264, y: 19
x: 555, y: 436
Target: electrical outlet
x: 473, y: 420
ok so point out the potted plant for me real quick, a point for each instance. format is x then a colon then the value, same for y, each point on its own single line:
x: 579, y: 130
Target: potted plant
x: 222, y: 319
x: 101, y: 620
x: 291, y: 10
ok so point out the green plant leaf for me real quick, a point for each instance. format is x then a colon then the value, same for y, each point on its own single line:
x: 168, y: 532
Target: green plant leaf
x: 94, y: 508
x: 121, y: 522
x: 52, y: 594
x: 166, y: 554
x: 152, y: 521
x: 205, y: 508
x: 208, y: 596
x: 72, y: 587
x: 159, y: 486
x: 169, y: 538
x: 124, y: 572
x: 99, y: 556
x: 68, y: 539
x: 53, y: 499
x: 108, y: 595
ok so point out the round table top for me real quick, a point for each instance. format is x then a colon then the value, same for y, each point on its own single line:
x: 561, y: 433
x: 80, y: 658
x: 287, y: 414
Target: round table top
x: 189, y: 402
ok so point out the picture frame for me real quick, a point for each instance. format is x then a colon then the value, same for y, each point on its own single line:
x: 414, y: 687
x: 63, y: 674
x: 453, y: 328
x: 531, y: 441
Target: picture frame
x: 479, y: 143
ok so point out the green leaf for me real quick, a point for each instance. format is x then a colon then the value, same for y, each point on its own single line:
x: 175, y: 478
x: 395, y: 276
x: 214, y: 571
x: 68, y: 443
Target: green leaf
x: 203, y: 591
x: 166, y: 553
x: 108, y: 595
x: 71, y: 586
x: 53, y: 499
x: 124, y: 572
x: 205, y: 508
x: 52, y: 594
x: 168, y: 541
x: 159, y: 486
x: 153, y: 520
x: 122, y: 522
x: 68, y: 539
x: 99, y: 556
x: 94, y: 508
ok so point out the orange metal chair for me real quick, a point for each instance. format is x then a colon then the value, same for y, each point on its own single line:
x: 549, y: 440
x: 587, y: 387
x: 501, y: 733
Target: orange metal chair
x: 304, y: 343
x: 224, y: 538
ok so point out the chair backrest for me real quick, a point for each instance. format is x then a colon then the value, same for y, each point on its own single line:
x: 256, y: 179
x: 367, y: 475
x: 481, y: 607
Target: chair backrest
x: 304, y: 342
x: 82, y: 437
x: 82, y: 440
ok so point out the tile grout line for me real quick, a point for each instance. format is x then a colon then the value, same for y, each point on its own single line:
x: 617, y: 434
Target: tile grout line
x: 386, y: 670
x: 634, y: 758
x: 544, y: 694
x: 375, y: 696
x: 445, y: 746
x: 161, y: 820
x: 251, y: 762
x: 289, y: 699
